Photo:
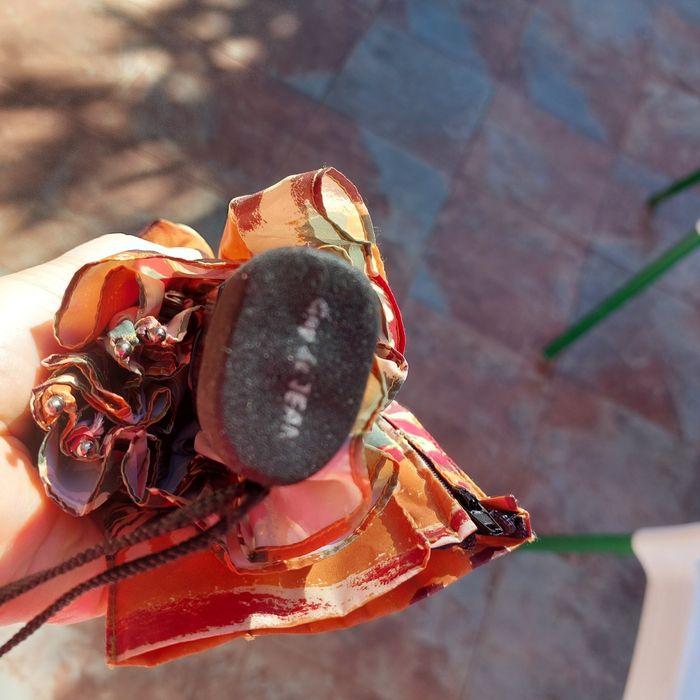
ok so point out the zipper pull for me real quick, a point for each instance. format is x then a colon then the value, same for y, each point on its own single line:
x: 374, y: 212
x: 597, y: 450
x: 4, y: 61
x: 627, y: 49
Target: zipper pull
x: 485, y: 524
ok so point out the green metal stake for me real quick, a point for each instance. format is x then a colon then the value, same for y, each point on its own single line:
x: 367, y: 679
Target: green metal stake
x: 636, y: 284
x: 596, y: 543
x: 674, y: 188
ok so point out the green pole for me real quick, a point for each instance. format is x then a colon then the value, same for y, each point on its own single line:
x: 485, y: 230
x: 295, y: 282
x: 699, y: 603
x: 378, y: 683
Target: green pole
x: 636, y: 284
x: 596, y: 543
x: 674, y: 188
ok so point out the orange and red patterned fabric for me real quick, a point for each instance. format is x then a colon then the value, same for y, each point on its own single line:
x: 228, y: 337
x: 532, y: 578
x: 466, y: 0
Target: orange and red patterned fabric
x: 389, y: 520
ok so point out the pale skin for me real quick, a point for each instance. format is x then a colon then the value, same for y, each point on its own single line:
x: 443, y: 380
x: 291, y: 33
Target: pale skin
x: 34, y: 532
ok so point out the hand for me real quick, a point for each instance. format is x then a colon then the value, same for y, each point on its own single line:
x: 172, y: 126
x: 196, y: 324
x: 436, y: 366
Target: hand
x: 34, y: 532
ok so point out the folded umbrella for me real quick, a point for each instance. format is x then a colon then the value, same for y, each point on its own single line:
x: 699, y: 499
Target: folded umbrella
x: 182, y: 379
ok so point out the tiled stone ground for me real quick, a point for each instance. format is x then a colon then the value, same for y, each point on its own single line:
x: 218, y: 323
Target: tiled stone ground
x: 505, y: 148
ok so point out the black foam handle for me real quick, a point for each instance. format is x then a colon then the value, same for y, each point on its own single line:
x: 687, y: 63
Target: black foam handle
x: 285, y: 363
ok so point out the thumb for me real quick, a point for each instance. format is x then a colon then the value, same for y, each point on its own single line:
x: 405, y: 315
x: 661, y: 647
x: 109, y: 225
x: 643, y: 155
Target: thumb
x: 54, y: 276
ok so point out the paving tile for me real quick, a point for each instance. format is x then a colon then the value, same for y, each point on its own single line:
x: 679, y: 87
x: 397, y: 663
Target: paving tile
x: 675, y: 44
x: 403, y: 193
x: 198, y: 103
x: 72, y: 664
x: 663, y: 131
x: 687, y: 9
x: 482, y: 34
x: 34, y: 226
x: 230, y: 122
x: 276, y: 669
x: 42, y: 49
x: 501, y: 271
x: 369, y: 4
x: 624, y: 26
x: 301, y: 43
x: 400, y: 266
x: 527, y: 156
x: 480, y: 400
x: 622, y: 358
x: 89, y: 75
x: 41, y: 239
x: 411, y: 95
x: 206, y: 675
x: 61, y: 186
x: 628, y: 234
x: 422, y: 652
x: 132, y: 187
x: 587, y: 87
x: 558, y: 627
x: 599, y: 467
x: 61, y: 651
x: 643, y: 356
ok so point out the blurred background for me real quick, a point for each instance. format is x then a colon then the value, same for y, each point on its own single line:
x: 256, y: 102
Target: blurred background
x: 505, y: 149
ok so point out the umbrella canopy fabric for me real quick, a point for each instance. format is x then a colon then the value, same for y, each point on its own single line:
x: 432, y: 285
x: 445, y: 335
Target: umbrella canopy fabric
x: 389, y: 520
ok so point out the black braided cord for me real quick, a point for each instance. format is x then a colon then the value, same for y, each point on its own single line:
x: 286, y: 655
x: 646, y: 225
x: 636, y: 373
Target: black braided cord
x: 251, y: 495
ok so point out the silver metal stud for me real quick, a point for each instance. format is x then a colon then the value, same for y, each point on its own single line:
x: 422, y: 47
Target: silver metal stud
x: 123, y: 348
x: 55, y: 405
x: 86, y: 448
x: 157, y: 334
